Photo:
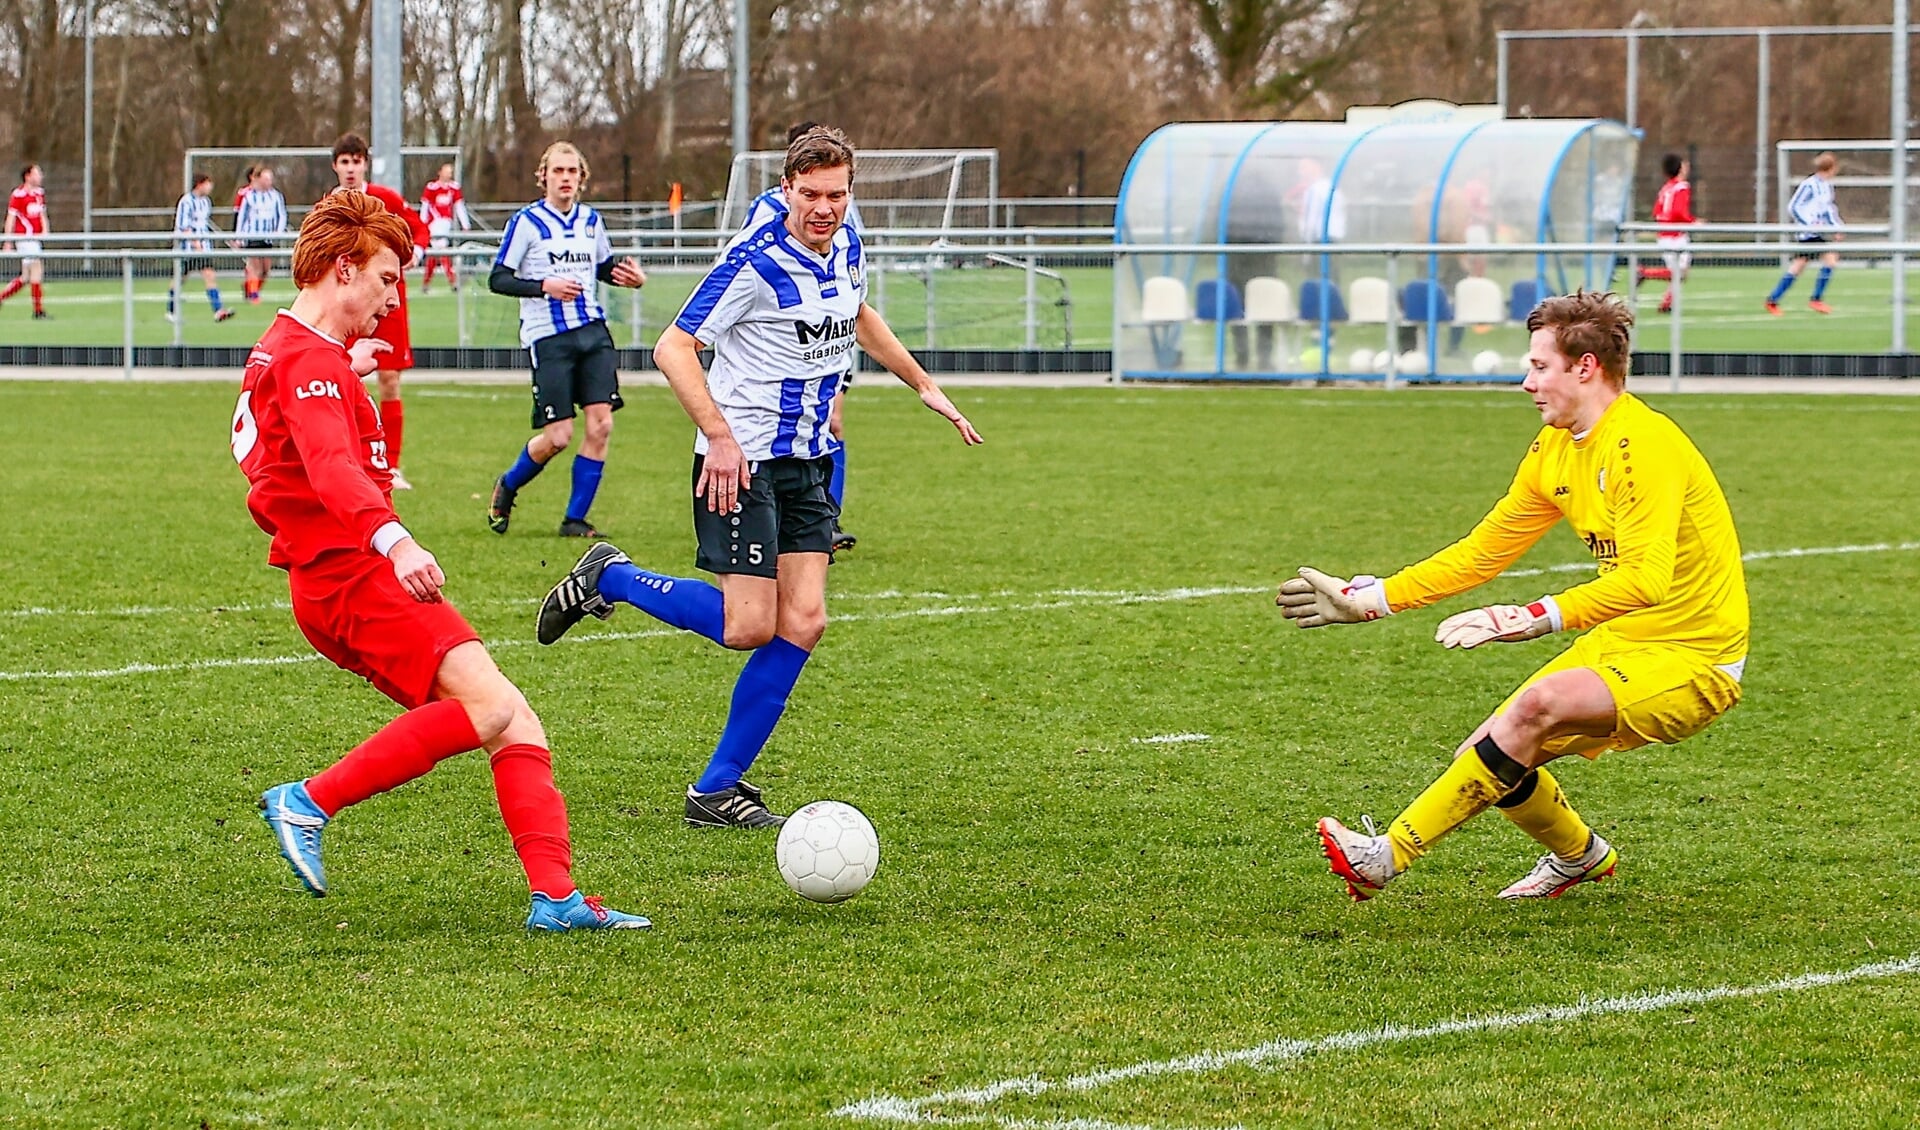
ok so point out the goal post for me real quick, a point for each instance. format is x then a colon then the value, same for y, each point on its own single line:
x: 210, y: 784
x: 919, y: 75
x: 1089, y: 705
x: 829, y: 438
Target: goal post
x: 940, y: 189
x: 304, y: 174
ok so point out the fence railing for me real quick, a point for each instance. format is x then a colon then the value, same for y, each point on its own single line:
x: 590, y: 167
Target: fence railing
x: 1047, y: 289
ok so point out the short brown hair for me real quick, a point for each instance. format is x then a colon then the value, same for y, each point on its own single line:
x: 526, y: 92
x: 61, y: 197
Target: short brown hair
x: 350, y: 145
x: 821, y: 147
x: 1588, y: 321
x: 1825, y: 163
x: 353, y: 224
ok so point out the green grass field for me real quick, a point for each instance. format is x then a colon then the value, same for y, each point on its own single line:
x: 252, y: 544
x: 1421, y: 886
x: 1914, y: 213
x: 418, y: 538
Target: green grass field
x: 1065, y: 912
x: 983, y: 308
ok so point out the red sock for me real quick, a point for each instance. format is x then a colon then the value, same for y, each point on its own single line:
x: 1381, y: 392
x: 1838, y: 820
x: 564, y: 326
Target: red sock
x: 13, y: 288
x: 36, y: 299
x: 536, y: 817
x: 404, y: 748
x: 393, y: 420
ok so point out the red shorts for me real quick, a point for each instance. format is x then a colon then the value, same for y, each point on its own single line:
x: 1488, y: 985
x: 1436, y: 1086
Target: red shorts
x: 352, y: 609
x: 392, y: 329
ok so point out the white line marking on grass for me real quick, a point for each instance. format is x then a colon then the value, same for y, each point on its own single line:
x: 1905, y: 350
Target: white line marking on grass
x: 1274, y: 1053
x: 1172, y: 739
x: 162, y: 668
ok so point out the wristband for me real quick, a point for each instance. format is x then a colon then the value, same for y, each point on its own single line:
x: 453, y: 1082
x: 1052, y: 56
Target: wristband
x: 388, y: 536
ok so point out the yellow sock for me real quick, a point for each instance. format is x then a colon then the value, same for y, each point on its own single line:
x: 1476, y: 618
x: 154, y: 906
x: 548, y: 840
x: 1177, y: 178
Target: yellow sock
x: 1546, y: 816
x: 1465, y: 790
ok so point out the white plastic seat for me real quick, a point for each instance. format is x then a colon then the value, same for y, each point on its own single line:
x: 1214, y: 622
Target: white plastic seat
x: 1269, y: 300
x: 1163, y: 300
x: 1477, y: 302
x: 1367, y: 300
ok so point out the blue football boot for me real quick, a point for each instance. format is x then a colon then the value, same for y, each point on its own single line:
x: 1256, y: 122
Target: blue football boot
x: 296, y: 822
x: 579, y: 912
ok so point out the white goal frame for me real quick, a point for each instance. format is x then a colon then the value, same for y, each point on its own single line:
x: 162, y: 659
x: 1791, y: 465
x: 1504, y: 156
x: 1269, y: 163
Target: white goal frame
x: 742, y: 162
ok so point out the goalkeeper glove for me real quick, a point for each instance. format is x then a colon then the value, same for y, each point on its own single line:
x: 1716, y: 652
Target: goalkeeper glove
x: 1507, y: 623
x: 1314, y: 599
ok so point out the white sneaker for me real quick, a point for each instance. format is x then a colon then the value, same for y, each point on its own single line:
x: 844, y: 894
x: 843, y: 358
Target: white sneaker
x: 1553, y: 876
x: 1365, y: 862
x: 400, y: 481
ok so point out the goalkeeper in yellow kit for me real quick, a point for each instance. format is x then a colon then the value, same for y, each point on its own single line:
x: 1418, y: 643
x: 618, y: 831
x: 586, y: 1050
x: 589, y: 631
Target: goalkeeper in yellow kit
x: 1668, y: 612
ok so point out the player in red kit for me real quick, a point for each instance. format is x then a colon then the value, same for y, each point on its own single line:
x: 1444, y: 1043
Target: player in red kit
x: 365, y: 594
x: 350, y: 165
x: 1674, y: 205
x: 442, y: 205
x: 26, y: 223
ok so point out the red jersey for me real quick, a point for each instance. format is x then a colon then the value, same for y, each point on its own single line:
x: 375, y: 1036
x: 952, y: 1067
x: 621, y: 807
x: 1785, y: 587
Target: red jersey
x: 1674, y: 205
x: 309, y: 441
x: 27, y: 211
x: 442, y: 202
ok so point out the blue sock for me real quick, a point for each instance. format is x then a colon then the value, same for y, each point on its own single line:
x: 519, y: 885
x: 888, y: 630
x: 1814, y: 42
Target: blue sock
x: 837, y: 484
x: 759, y: 698
x: 1780, y: 288
x: 169, y: 300
x: 522, y: 471
x: 213, y: 296
x: 681, y: 602
x: 586, y: 484
x: 1820, y: 284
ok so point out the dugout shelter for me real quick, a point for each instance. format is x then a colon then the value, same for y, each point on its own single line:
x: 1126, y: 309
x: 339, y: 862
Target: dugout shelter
x: 1184, y: 311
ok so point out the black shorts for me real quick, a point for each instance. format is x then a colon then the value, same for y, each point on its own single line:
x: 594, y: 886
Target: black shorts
x: 786, y: 510
x: 193, y: 266
x: 258, y: 244
x: 1803, y: 239
x: 580, y: 366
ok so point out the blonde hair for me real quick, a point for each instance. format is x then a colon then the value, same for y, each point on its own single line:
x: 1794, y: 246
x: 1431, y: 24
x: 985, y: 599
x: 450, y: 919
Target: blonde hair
x: 540, y: 174
x: 1586, y: 322
x: 1825, y: 163
x: 352, y: 224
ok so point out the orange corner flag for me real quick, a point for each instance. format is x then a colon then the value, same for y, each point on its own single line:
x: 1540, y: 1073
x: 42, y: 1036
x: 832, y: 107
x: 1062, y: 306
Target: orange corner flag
x: 673, y: 199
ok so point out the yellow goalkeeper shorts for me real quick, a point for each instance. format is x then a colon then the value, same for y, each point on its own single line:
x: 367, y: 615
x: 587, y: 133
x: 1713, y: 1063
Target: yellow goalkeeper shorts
x: 1663, y: 693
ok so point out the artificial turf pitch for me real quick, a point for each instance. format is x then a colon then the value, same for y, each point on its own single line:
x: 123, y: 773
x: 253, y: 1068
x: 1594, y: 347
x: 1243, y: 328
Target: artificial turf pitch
x: 1057, y: 896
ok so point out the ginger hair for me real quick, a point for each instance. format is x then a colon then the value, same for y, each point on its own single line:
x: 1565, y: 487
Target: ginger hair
x: 352, y: 224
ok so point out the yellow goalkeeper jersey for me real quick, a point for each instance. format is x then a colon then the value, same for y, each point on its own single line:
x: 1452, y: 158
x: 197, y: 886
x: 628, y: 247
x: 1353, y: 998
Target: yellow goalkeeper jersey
x: 1642, y: 497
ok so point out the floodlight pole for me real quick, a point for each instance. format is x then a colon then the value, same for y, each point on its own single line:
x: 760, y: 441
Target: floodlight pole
x: 1898, y: 216
x: 741, y: 17
x: 86, y: 128
x: 1762, y: 125
x: 388, y: 102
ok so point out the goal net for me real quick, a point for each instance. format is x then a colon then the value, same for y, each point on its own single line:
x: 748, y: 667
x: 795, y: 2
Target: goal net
x: 304, y: 175
x: 939, y: 189
x: 1863, y: 184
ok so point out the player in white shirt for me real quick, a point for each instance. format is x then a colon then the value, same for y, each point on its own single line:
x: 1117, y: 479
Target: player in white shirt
x: 1814, y: 209
x: 551, y: 255
x: 193, y: 223
x: 783, y: 311
x: 259, y: 217
x: 772, y: 205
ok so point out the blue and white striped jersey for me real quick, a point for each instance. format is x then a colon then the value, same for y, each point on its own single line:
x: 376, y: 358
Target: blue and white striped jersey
x: 1813, y: 204
x: 540, y: 243
x: 773, y: 202
x: 262, y: 211
x: 194, y: 213
x: 781, y: 321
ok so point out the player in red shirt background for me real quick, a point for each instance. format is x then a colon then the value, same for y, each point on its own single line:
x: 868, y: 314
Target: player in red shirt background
x: 1673, y: 205
x: 350, y: 165
x: 26, y: 222
x: 365, y: 594
x: 442, y: 205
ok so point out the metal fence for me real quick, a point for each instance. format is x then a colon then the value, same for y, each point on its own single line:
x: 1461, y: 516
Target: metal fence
x: 1073, y: 289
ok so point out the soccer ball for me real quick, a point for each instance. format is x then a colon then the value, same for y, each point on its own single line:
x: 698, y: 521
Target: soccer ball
x: 827, y: 851
x: 1310, y: 359
x: 1413, y: 361
x: 1361, y: 361
x: 1486, y: 362
x: 1383, y: 360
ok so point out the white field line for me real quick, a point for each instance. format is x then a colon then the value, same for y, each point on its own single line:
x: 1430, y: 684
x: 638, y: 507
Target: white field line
x: 1063, y: 598
x: 1275, y: 1053
x: 1172, y: 739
